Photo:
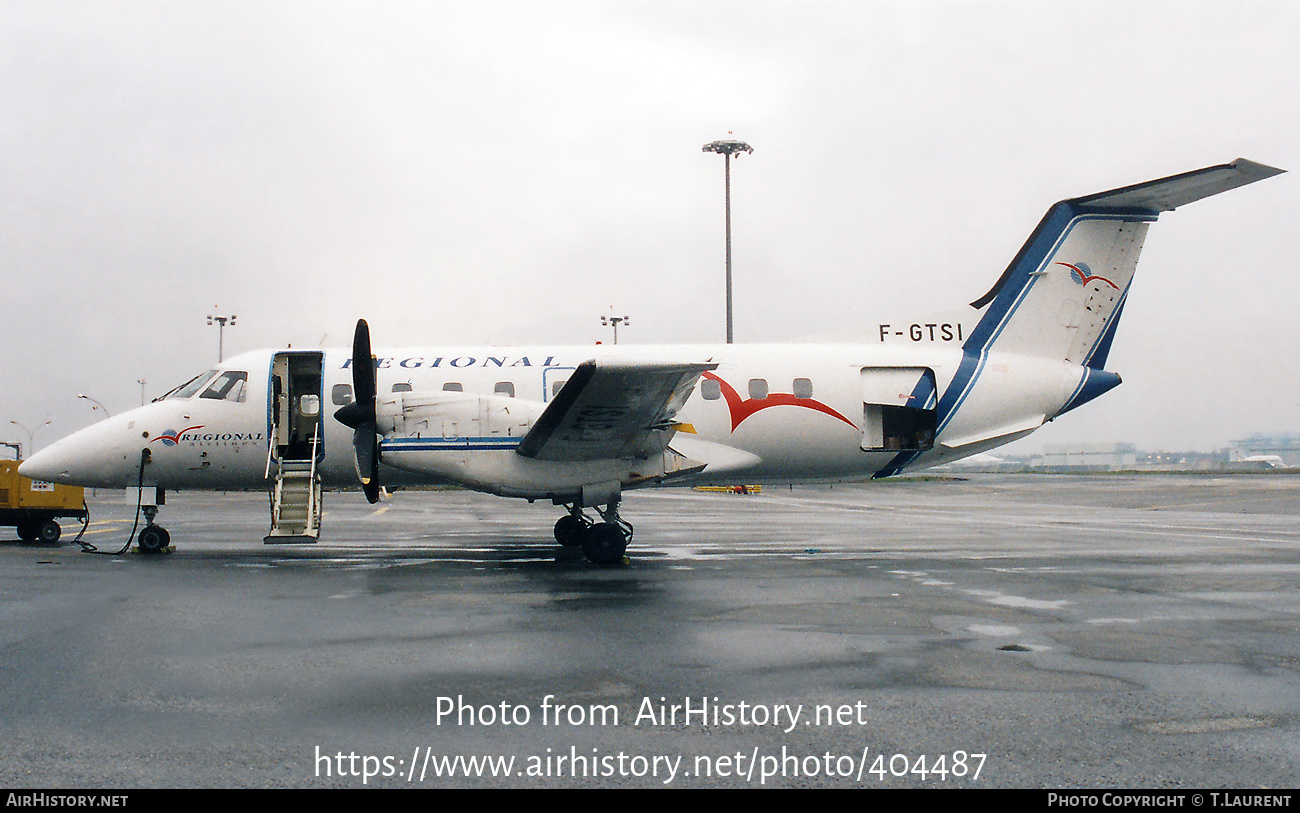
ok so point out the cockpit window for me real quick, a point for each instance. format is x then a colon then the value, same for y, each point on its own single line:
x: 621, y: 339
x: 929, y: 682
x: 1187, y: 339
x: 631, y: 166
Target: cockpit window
x: 231, y: 385
x: 190, y: 387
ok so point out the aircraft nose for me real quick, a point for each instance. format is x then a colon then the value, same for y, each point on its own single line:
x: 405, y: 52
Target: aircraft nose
x: 91, y: 457
x: 52, y: 465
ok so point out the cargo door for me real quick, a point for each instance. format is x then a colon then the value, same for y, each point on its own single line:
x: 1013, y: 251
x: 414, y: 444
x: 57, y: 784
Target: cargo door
x: 899, y: 408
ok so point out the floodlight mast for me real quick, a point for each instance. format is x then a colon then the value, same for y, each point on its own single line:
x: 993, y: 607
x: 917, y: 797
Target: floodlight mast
x: 220, y: 322
x: 31, y: 436
x: 728, y: 148
x: 614, y: 321
x: 96, y: 403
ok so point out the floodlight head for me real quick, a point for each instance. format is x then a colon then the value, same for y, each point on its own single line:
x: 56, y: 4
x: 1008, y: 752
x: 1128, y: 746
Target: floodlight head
x: 727, y: 147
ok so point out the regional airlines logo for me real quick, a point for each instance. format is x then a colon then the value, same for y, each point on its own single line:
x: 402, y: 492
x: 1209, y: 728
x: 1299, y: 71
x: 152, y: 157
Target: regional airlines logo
x: 170, y: 438
x: 742, y: 409
x: 1082, y: 274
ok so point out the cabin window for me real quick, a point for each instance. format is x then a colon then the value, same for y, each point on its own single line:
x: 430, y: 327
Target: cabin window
x: 504, y: 388
x: 758, y: 388
x: 452, y: 386
x: 803, y: 388
x: 710, y: 389
x: 341, y: 394
x: 229, y: 386
x: 557, y: 386
x: 309, y: 405
x: 402, y: 387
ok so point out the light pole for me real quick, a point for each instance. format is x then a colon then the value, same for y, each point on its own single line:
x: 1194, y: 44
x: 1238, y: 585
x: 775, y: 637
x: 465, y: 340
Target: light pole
x: 97, y: 404
x: 615, y: 321
x: 141, y: 382
x: 30, y: 435
x: 220, y: 322
x: 728, y: 148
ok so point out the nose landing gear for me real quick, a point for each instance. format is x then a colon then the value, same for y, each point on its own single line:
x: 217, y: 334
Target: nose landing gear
x: 153, y: 538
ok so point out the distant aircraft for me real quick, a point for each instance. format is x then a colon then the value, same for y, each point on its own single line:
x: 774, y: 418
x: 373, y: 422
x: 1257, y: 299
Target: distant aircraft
x: 580, y: 425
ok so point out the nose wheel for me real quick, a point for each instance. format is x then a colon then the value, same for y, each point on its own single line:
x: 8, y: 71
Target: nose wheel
x: 603, y: 543
x: 153, y: 538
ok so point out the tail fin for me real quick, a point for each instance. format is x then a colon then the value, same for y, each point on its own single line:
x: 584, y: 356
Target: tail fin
x: 1062, y: 295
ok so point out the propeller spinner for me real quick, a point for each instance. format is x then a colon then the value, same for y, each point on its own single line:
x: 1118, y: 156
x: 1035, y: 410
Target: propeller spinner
x: 359, y: 416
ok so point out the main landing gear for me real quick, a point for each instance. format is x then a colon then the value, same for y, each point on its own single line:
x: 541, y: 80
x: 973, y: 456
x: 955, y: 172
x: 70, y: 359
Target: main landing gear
x: 603, y: 543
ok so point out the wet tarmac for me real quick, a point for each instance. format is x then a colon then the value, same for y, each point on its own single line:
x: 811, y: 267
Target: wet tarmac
x: 986, y: 631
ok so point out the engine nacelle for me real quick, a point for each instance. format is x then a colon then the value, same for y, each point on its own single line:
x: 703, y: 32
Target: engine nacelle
x: 471, y: 439
x: 454, y: 415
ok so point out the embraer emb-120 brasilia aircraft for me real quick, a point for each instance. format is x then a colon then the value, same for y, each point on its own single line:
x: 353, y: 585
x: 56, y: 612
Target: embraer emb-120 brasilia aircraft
x: 580, y: 425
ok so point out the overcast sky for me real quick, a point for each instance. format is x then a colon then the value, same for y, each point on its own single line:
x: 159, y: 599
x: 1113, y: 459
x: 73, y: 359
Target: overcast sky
x: 508, y: 172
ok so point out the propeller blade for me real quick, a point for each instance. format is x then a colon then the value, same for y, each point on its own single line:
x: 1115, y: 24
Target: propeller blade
x: 359, y: 416
x: 365, y: 442
x: 363, y: 365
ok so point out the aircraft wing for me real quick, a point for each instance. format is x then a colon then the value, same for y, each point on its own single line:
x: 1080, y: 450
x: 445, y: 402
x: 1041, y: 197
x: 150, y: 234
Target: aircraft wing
x: 613, y: 409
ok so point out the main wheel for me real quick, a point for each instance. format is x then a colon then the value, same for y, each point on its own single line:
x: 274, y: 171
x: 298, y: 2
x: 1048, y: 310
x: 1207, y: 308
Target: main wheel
x: 604, y: 544
x: 569, y: 530
x: 48, y: 531
x: 153, y: 538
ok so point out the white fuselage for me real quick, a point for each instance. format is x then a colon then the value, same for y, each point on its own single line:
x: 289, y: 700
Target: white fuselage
x: 776, y: 413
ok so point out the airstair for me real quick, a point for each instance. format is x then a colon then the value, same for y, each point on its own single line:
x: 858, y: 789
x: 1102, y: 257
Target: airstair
x: 295, y: 502
x: 295, y: 446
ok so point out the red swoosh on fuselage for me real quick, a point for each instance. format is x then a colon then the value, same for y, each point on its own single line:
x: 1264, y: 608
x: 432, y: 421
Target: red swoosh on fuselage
x: 742, y: 409
x: 176, y: 438
x: 1088, y: 278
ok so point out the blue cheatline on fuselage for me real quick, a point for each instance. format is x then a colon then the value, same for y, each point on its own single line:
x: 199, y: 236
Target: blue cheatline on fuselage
x: 447, y: 444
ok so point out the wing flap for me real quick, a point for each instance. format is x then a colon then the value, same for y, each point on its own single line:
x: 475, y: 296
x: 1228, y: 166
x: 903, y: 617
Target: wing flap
x: 613, y: 409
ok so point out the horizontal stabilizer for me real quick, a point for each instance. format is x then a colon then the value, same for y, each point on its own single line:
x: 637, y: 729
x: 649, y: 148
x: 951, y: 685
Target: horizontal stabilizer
x: 1020, y: 427
x: 1167, y: 194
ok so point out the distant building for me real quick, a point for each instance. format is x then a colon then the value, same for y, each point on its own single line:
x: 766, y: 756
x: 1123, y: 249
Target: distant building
x: 1183, y: 461
x: 1262, y: 447
x: 1092, y: 456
